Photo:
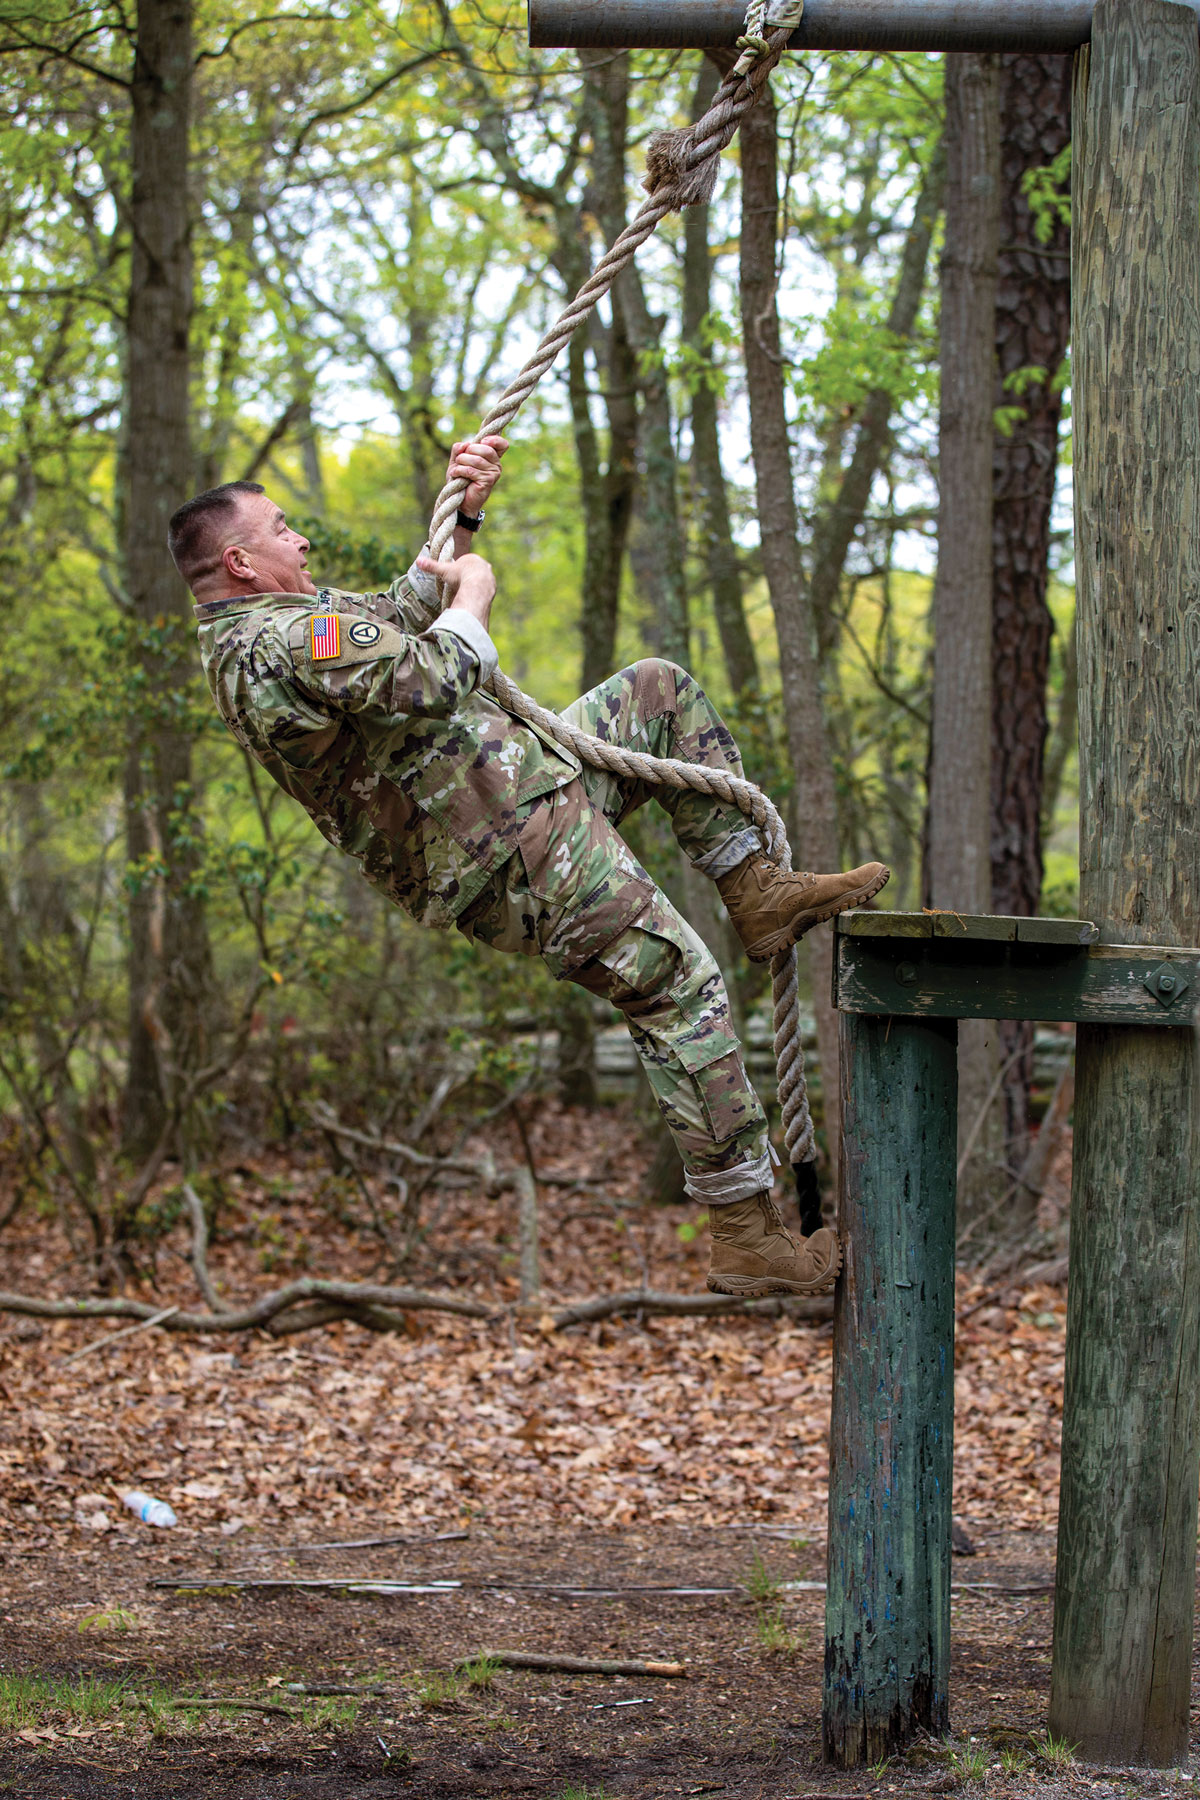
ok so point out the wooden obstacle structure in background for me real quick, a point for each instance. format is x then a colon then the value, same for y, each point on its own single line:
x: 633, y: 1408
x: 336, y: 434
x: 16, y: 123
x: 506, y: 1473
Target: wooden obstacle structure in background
x: 902, y: 982
x: 1124, y: 1598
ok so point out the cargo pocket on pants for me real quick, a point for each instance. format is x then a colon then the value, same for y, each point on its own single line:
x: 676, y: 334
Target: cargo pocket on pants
x: 722, y: 1085
x: 585, y: 878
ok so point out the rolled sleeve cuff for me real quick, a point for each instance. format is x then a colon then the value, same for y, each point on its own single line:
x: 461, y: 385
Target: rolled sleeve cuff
x: 424, y: 587
x: 465, y: 626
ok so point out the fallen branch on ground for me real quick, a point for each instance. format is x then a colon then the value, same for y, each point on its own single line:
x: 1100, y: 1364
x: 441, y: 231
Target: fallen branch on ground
x: 307, y: 1303
x: 115, y: 1336
x: 348, y: 1584
x: 575, y: 1665
x: 380, y: 1584
x: 199, y: 1700
x: 326, y: 1690
x: 704, y: 1306
x: 442, y: 1537
x: 380, y: 1307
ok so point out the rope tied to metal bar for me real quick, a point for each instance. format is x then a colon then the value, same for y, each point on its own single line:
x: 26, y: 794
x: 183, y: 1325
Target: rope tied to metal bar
x: 761, y: 18
x: 681, y: 170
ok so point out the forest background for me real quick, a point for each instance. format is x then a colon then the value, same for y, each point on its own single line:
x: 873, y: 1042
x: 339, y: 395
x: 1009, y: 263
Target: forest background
x: 307, y: 248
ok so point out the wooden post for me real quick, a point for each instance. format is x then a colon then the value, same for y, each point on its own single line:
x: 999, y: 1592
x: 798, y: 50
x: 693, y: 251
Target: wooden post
x: 1127, y: 1530
x: 887, y: 1614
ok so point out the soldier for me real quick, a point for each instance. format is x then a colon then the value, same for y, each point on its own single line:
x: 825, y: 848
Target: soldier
x: 370, y: 710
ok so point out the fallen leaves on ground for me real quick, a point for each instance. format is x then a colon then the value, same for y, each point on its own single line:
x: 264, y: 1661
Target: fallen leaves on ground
x: 708, y: 1422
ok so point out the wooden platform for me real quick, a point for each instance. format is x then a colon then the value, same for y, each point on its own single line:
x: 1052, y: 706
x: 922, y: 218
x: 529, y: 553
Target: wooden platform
x: 944, y: 965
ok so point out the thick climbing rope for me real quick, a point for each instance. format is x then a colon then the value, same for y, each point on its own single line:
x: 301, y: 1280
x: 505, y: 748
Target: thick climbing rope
x: 681, y: 170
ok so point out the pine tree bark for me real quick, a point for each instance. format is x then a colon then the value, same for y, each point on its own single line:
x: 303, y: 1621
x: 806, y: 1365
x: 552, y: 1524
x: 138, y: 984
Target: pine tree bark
x: 808, y: 745
x: 1033, y: 317
x: 958, y: 868
x: 168, y: 944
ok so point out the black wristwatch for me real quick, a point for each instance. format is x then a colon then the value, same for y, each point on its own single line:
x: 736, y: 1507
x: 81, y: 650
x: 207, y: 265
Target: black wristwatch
x: 466, y: 523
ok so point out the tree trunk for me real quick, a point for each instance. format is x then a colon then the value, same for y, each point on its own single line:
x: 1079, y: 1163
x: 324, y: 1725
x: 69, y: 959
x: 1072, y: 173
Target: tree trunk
x: 1033, y: 308
x: 959, y: 866
x: 656, y: 545
x: 608, y: 488
x: 808, y: 747
x: 168, y: 946
x: 841, y: 517
x: 708, y: 477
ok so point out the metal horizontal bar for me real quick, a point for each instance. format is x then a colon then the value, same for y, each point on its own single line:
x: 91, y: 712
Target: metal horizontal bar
x: 938, y: 977
x: 826, y: 25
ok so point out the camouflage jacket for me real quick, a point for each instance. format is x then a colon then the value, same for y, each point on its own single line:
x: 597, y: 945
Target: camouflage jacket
x: 368, y: 710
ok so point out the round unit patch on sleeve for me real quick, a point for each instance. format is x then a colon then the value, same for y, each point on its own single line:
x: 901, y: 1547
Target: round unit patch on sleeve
x: 364, y: 633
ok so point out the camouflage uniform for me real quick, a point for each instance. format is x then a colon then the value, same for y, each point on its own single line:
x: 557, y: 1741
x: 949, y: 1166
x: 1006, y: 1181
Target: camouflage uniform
x: 465, y: 815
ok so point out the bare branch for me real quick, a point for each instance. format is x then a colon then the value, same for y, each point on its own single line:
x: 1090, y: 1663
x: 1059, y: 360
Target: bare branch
x: 199, y: 1256
x: 703, y: 1306
x: 581, y: 1665
x: 323, y: 1116
x: 348, y: 1296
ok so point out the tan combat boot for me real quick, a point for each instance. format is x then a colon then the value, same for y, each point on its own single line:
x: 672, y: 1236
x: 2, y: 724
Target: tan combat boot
x: 771, y: 907
x: 753, y: 1253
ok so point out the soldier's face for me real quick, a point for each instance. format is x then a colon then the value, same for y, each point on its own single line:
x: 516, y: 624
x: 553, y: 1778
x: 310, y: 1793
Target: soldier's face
x: 275, y: 552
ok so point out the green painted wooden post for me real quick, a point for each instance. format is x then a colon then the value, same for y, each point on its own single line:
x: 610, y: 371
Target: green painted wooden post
x: 1127, y: 1523
x: 887, y: 1615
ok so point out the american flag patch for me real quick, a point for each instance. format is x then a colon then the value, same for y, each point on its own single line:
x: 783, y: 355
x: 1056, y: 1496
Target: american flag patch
x: 326, y: 637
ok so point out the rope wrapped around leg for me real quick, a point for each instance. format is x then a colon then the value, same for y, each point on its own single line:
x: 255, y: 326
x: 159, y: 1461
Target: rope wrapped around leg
x: 681, y: 170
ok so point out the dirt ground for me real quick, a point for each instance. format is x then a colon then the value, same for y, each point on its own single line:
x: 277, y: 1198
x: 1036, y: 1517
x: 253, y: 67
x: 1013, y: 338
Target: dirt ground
x: 564, y: 1482
x: 744, y: 1723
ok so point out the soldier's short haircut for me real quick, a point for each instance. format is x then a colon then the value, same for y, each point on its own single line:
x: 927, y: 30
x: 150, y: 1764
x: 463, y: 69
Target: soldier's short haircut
x: 195, y: 531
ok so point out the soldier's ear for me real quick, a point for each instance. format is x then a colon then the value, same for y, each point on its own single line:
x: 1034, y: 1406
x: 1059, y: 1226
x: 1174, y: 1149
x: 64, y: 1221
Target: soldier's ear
x: 237, y: 563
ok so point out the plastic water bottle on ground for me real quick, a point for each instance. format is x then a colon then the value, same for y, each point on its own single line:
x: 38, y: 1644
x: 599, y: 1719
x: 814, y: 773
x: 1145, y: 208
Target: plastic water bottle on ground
x: 149, y: 1510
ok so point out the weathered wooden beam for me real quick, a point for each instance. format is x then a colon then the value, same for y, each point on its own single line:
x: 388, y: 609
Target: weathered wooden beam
x: 865, y: 921
x: 1130, y: 1453
x: 887, y: 1612
x: 827, y: 24
x: 993, y: 976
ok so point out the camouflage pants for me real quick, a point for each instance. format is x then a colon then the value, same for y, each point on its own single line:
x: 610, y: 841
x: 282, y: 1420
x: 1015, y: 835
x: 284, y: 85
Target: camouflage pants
x: 576, y: 896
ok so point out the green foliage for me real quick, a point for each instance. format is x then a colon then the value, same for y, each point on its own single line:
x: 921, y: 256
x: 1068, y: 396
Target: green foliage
x: 332, y: 1713
x: 437, y: 1688
x: 1056, y: 1753
x: 479, y: 1671
x: 1048, y: 191
x: 387, y: 207
x: 761, y: 1584
x: 108, y: 1618
x: 776, y: 1638
x: 29, y: 1700
x: 970, y: 1765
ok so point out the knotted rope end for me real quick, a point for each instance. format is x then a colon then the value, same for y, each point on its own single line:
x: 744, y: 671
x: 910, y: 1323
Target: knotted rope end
x: 666, y: 166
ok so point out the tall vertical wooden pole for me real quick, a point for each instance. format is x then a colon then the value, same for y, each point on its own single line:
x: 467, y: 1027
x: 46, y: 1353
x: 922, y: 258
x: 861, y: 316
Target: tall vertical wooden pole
x: 1127, y: 1533
x: 887, y: 1604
